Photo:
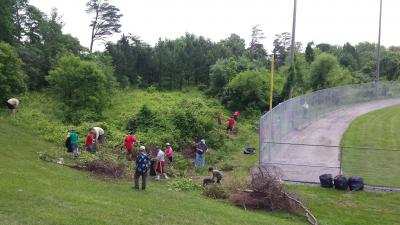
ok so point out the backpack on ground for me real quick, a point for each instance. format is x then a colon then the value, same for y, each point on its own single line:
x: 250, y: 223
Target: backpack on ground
x: 356, y: 183
x: 207, y: 181
x: 340, y: 182
x: 326, y: 180
x: 249, y: 151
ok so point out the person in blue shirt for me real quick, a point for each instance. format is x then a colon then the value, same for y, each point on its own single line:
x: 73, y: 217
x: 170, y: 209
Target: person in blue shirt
x: 201, y: 149
x: 141, y: 168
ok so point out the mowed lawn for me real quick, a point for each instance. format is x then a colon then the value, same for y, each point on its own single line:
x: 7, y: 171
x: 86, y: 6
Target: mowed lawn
x: 36, y: 192
x: 377, y: 129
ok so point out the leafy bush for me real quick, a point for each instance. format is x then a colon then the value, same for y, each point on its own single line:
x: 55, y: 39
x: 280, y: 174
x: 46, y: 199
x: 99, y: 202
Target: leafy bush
x: 83, y: 88
x: 184, y: 184
x: 12, y: 78
x: 215, y: 191
x: 250, y: 89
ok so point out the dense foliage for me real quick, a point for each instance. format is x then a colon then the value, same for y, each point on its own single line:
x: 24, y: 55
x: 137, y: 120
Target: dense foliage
x: 11, y: 75
x: 82, y: 87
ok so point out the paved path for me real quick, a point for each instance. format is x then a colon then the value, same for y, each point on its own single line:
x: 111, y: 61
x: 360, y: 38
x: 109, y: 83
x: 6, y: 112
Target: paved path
x: 327, y: 130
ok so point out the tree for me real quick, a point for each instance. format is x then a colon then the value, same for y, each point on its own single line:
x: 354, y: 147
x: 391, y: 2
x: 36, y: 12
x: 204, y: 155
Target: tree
x: 326, y: 72
x: 348, y: 57
x: 12, y: 78
x: 309, y: 52
x: 82, y: 87
x: 256, y: 50
x: 234, y: 45
x: 281, y: 50
x: 6, y: 21
x: 250, y: 90
x: 105, y: 21
x: 223, y: 71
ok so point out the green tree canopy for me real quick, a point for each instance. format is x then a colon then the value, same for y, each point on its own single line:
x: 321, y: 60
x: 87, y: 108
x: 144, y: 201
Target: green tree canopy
x: 12, y: 78
x: 326, y: 72
x: 82, y: 87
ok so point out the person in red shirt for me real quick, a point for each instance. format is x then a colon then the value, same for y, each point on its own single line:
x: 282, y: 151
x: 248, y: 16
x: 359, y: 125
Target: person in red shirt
x: 231, y: 122
x: 89, y: 142
x: 236, y: 115
x: 128, y: 143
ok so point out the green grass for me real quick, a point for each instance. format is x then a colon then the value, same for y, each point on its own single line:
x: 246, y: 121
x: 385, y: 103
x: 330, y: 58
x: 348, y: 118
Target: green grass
x: 37, y: 192
x: 333, y: 207
x: 377, y: 129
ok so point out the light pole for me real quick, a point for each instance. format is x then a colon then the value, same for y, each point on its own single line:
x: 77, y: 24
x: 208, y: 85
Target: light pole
x: 378, y: 51
x: 293, y: 34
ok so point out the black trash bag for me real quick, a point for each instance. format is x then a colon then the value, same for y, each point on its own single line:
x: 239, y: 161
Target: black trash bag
x: 152, y: 170
x: 326, y: 180
x: 68, y: 144
x: 340, y: 182
x: 207, y: 181
x: 249, y: 151
x: 356, y: 183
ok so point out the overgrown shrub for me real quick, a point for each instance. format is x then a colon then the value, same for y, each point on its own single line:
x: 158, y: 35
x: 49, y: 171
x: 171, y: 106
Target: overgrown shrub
x: 82, y: 87
x: 12, y: 78
x: 215, y: 191
x: 184, y: 184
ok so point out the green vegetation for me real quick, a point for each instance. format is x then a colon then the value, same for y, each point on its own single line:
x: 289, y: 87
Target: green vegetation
x: 377, y: 129
x: 11, y: 75
x: 37, y: 192
x: 81, y: 87
x: 332, y: 207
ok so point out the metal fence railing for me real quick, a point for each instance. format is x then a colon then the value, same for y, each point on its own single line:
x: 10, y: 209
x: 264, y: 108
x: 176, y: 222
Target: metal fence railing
x: 294, y: 115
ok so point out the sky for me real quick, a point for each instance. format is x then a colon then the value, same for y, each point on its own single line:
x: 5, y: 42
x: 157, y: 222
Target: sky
x: 328, y: 21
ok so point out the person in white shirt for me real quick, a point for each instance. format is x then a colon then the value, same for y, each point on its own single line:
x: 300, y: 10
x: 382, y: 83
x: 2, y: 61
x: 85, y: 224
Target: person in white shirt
x: 12, y: 105
x: 161, y: 164
x: 99, y: 134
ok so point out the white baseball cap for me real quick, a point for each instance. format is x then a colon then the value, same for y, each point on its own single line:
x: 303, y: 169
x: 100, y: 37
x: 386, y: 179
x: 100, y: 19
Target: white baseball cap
x: 142, y: 148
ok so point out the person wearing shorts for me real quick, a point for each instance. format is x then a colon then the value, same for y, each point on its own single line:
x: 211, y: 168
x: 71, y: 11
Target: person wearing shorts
x: 12, y: 105
x: 128, y: 143
x: 160, y: 164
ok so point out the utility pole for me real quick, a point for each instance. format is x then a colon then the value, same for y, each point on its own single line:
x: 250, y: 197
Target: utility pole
x: 293, y: 34
x: 378, y: 51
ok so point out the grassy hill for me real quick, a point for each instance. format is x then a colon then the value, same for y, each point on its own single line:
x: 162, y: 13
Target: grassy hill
x: 378, y: 129
x: 37, y: 192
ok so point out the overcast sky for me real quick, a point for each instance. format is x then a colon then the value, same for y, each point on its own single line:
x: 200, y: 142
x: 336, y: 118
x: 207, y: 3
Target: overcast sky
x: 330, y: 21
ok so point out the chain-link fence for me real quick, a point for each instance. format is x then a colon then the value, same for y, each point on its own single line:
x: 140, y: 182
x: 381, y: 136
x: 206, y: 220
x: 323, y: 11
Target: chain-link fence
x: 302, y: 135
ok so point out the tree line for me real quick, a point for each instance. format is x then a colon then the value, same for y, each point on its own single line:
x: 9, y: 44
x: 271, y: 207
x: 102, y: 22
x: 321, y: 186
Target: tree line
x: 35, y: 54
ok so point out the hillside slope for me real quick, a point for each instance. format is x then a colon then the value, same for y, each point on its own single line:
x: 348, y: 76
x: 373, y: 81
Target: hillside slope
x: 37, y: 192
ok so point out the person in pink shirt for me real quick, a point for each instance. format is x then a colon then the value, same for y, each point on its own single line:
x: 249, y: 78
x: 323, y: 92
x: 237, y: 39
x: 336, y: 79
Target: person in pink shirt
x: 168, y: 151
x: 236, y: 115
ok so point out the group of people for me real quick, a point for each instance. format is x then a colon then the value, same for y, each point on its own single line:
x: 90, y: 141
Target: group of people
x: 95, y: 136
x: 231, y: 121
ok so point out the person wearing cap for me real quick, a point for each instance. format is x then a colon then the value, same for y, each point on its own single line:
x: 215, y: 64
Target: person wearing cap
x: 201, y: 149
x: 99, y: 137
x: 141, y: 168
x: 73, y: 137
x: 128, y: 143
x: 169, y: 152
x: 12, y: 105
x: 161, y: 164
